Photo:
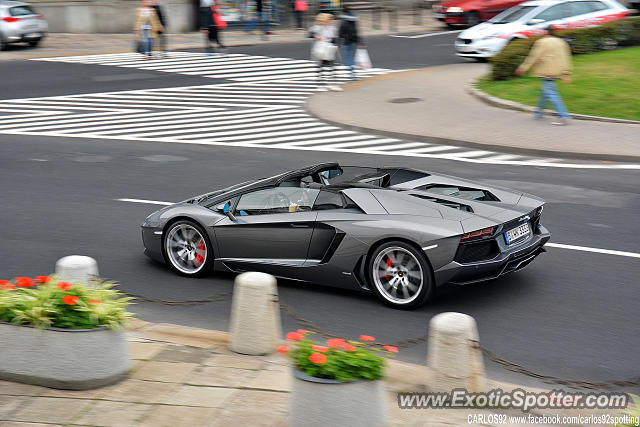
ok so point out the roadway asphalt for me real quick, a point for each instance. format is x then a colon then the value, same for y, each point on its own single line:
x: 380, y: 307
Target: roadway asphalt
x: 571, y: 314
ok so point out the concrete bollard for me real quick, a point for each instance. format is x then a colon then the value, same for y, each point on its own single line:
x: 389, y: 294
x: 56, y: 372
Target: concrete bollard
x: 77, y: 268
x: 255, y: 314
x: 451, y: 355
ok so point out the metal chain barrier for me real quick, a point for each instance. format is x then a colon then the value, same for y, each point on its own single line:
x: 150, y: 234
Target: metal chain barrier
x: 410, y: 342
x: 189, y: 302
x: 548, y: 379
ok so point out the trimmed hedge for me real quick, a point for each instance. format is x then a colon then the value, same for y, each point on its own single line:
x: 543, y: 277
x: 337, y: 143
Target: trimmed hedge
x: 623, y: 32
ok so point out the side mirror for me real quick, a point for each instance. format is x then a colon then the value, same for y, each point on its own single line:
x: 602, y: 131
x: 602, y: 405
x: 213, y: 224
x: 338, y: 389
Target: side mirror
x: 535, y: 21
x: 226, y: 209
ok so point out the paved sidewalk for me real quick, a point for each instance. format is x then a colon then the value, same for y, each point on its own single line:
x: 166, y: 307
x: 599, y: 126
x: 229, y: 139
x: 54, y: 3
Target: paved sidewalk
x: 62, y: 44
x: 444, y: 112
x: 187, y: 377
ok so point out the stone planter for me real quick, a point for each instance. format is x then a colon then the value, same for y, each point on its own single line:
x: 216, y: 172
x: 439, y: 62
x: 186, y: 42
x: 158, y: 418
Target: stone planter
x: 74, y: 359
x: 322, y: 402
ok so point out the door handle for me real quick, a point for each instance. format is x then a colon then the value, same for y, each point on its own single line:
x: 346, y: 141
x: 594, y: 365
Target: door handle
x: 300, y: 225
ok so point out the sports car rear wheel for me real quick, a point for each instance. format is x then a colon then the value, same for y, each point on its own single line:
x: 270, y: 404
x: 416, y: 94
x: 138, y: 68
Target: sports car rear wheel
x: 187, y: 248
x: 400, y: 275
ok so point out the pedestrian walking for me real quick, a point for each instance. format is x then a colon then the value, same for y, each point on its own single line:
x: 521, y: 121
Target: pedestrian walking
x: 549, y: 59
x: 260, y: 17
x: 211, y: 24
x: 162, y: 35
x: 147, y: 26
x: 300, y: 7
x: 349, y: 39
x: 324, y: 49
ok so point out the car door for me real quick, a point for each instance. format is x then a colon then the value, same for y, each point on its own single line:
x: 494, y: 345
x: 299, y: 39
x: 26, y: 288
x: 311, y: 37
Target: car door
x: 268, y: 226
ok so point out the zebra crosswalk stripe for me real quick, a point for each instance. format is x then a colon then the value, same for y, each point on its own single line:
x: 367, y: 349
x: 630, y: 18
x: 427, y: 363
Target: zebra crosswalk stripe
x: 258, y: 104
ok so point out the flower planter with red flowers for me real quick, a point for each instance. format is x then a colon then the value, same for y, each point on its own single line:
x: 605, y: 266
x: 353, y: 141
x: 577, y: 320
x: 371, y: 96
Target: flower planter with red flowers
x: 62, y: 335
x: 339, y: 383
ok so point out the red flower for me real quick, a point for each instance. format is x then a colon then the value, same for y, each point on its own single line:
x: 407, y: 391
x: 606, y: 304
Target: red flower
x: 70, y: 299
x: 335, y: 342
x: 25, y: 282
x: 95, y: 301
x: 391, y: 348
x: 294, y: 336
x: 283, y: 349
x: 303, y: 331
x: 3, y: 282
x: 43, y: 279
x: 366, y: 338
x: 319, y: 348
x: 349, y: 347
x: 7, y: 286
x: 318, y: 358
x: 65, y: 286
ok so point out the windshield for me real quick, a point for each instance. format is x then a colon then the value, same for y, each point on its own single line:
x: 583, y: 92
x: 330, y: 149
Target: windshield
x: 511, y: 15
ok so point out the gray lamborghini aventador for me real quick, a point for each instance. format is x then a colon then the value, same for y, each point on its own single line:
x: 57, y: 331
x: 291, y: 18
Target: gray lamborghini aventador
x: 396, y: 232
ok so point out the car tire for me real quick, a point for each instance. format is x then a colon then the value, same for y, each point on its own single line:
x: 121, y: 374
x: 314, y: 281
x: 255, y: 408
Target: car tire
x: 34, y: 43
x: 187, y: 249
x: 3, y: 43
x: 452, y: 26
x: 471, y: 19
x: 400, y: 275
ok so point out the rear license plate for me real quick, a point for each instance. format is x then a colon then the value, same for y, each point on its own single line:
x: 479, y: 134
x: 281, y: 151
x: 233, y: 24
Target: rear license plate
x: 516, y: 233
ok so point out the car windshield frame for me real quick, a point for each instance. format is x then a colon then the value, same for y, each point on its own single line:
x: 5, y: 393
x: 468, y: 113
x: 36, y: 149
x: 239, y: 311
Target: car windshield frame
x: 500, y: 18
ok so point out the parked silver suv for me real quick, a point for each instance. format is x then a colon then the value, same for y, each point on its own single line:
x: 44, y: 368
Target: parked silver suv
x: 20, y: 23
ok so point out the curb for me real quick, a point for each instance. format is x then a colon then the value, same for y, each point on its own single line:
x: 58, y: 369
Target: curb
x: 512, y: 105
x: 464, y: 143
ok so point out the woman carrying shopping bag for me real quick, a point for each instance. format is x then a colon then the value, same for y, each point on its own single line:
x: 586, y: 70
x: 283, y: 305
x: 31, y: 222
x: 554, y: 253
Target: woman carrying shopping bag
x: 211, y: 24
x: 324, y: 49
x: 147, y: 26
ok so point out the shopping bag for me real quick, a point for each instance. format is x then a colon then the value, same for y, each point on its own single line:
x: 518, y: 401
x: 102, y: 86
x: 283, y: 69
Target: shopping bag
x: 300, y: 6
x: 324, y: 51
x: 362, y: 59
x: 221, y: 24
x: 137, y: 46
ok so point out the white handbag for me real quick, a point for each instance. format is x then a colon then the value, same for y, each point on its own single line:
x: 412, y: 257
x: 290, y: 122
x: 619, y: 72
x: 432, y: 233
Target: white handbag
x: 324, y: 51
x: 362, y: 59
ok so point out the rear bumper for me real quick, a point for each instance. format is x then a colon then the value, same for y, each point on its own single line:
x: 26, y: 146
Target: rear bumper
x: 506, y: 262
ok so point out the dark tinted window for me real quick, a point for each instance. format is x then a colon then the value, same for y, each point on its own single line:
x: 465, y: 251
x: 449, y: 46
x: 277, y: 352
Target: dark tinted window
x: 597, y: 5
x: 512, y: 14
x: 276, y: 200
x: 21, y: 11
x: 580, y: 7
x: 552, y: 13
x: 328, y: 200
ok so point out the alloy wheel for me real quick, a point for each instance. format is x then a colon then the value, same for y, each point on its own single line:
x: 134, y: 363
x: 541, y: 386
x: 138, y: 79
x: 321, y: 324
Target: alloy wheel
x: 398, y: 275
x: 186, y: 248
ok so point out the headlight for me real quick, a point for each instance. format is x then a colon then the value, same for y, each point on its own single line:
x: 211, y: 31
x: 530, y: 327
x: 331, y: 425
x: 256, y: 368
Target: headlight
x: 454, y: 10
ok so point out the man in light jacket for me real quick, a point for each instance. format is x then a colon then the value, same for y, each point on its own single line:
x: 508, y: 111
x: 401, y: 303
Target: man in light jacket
x: 549, y: 59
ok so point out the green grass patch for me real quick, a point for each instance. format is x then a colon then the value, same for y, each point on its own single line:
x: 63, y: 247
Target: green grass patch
x: 604, y: 84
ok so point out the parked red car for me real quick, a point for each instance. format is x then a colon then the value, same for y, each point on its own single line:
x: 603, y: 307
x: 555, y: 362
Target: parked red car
x: 470, y: 12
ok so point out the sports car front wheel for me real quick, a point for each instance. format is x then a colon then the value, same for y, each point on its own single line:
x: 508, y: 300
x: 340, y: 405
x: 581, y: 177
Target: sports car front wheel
x: 399, y: 275
x: 187, y: 248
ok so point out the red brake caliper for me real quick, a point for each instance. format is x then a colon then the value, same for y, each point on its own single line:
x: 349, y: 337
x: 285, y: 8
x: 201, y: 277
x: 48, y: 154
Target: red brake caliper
x: 390, y: 264
x: 201, y: 247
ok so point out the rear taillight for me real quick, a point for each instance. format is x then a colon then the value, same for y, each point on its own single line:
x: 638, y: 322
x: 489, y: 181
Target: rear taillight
x: 40, y: 16
x: 10, y: 19
x: 478, y: 234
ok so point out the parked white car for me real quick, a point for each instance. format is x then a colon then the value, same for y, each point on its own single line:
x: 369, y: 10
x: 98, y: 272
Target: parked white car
x: 530, y: 19
x: 19, y: 22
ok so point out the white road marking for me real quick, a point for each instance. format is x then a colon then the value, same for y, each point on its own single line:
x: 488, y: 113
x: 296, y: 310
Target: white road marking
x: 596, y: 250
x: 420, y: 36
x: 149, y: 202
x: 259, y: 109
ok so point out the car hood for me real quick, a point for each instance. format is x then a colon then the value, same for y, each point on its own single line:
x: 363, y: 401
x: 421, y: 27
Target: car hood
x: 456, y: 3
x: 487, y: 29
